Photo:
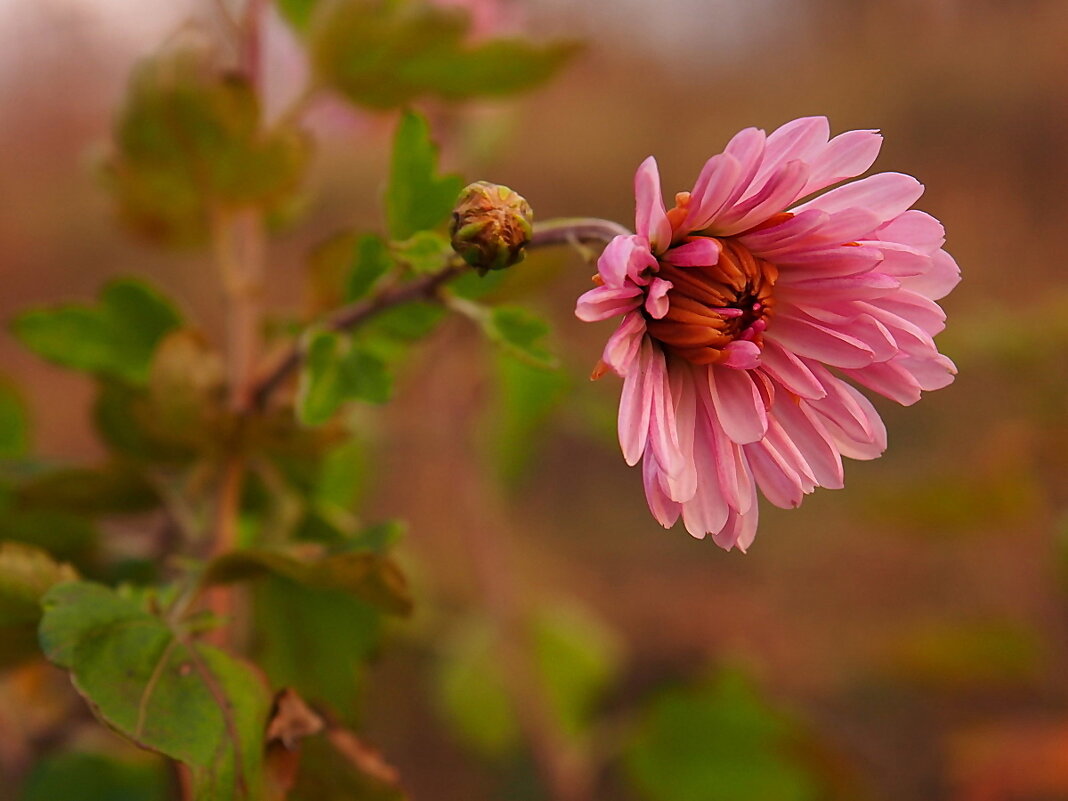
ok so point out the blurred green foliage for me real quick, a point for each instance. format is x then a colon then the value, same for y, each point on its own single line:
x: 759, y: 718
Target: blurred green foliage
x: 84, y: 776
x: 718, y: 741
x: 189, y: 143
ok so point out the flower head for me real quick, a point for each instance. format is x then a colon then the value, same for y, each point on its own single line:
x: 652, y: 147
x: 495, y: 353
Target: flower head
x: 746, y: 315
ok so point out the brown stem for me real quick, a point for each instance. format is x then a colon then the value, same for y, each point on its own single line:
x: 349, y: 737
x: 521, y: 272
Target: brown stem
x: 349, y: 317
x: 552, y: 232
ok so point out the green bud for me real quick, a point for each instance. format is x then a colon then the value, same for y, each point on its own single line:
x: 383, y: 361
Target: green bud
x: 491, y: 226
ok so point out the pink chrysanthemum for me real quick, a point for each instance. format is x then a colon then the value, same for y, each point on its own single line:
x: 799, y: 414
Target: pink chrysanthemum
x: 744, y: 314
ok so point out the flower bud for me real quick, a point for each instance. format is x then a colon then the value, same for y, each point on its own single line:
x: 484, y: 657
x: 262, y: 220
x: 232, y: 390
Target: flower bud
x: 491, y: 226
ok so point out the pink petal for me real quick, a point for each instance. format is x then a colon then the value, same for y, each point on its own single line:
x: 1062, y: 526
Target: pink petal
x: 886, y: 194
x: 889, y: 380
x: 790, y: 371
x: 715, y: 186
x: 707, y: 511
x: 847, y: 155
x: 741, y: 355
x: 768, y: 242
x: 683, y: 485
x: 700, y: 251
x: 932, y: 373
x: 739, y: 531
x: 916, y: 229
x: 635, y: 407
x: 656, y: 300
x: 650, y: 217
x: 665, y: 510
x: 816, y: 446
x: 824, y: 262
x: 603, y: 302
x: 808, y: 338
x: 621, y: 350
x: 779, y: 482
x: 663, y: 434
x: 939, y: 280
x: 738, y: 405
x: 780, y: 191
x: 800, y: 139
x: 625, y: 257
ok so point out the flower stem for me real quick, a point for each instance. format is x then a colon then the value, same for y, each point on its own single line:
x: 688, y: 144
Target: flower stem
x: 551, y: 232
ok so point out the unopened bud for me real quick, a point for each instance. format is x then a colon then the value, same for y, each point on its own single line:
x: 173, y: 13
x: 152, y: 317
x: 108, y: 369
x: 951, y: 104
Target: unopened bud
x: 491, y: 226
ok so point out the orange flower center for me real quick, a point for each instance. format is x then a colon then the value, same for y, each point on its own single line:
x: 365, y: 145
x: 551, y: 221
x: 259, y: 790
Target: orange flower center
x: 713, y: 305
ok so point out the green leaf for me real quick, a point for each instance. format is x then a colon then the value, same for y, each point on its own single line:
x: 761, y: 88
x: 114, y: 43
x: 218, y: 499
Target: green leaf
x: 526, y: 397
x: 189, y: 142
x: 717, y: 741
x: 472, y: 285
x: 365, y: 377
x: 417, y: 198
x: 518, y: 331
x: 78, y: 776
x: 316, y: 640
x: 409, y: 322
x: 297, y: 12
x: 386, y: 53
x: 496, y: 68
x: 372, y: 577
x: 14, y: 423
x: 149, y: 681
x: 115, y: 338
x: 336, y: 371
x: 320, y: 390
x: 577, y: 658
x: 371, y: 261
x: 65, y: 535
x: 425, y: 252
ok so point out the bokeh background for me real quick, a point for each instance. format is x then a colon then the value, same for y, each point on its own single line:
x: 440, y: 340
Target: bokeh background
x: 912, y: 627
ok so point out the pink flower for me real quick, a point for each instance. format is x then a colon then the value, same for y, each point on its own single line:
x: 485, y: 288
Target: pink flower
x: 742, y: 321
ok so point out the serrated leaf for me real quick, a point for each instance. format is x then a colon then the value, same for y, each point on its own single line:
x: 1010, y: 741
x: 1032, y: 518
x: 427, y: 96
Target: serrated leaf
x: 417, y: 198
x: 14, y: 422
x: 717, y: 741
x: 186, y: 700
x: 115, y: 338
x: 189, y: 141
x: 372, y: 577
x: 519, y: 332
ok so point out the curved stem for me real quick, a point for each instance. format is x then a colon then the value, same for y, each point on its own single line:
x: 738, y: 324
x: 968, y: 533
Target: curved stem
x: 552, y: 232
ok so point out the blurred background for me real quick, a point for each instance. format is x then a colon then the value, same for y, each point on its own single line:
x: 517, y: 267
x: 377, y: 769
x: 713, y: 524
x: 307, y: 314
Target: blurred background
x: 911, y: 631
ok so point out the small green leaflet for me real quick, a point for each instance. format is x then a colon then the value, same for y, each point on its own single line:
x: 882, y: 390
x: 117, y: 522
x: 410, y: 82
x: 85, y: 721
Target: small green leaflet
x: 418, y: 198
x: 336, y: 371
x: 115, y: 338
x: 519, y: 332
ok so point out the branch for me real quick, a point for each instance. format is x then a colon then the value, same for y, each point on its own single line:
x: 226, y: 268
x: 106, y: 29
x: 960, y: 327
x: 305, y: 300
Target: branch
x: 553, y: 232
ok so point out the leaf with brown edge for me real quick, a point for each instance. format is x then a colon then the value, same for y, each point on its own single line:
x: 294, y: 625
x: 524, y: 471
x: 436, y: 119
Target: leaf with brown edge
x: 371, y: 577
x: 146, y: 678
